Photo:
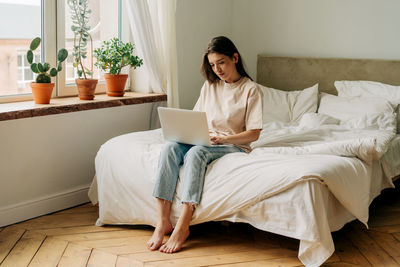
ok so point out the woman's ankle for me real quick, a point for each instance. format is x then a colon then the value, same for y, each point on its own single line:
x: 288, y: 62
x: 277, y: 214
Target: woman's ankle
x: 164, y: 221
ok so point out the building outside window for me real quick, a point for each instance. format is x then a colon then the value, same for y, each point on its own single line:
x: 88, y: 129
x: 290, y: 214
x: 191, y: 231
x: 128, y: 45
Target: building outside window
x: 25, y: 75
x: 21, y: 22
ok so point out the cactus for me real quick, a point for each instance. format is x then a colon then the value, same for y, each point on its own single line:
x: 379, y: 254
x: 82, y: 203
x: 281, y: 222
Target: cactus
x: 42, y: 69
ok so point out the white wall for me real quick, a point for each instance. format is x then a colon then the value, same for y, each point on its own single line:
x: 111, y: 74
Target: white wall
x: 47, y: 163
x: 316, y: 28
x: 197, y: 22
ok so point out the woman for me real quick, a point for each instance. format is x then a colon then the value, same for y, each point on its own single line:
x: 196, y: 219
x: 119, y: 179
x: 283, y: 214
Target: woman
x: 233, y: 104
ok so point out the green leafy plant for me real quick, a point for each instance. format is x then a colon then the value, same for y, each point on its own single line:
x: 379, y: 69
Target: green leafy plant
x: 43, y: 70
x: 80, y: 19
x: 113, y: 55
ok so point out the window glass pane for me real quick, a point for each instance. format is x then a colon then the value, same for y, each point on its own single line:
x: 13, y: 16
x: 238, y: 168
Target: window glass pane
x: 21, y: 22
x: 28, y: 76
x: 103, y: 23
x: 25, y: 59
x: 70, y: 73
x: 20, y: 76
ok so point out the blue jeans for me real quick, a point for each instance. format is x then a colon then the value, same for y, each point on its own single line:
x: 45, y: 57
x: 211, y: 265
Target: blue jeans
x: 196, y: 159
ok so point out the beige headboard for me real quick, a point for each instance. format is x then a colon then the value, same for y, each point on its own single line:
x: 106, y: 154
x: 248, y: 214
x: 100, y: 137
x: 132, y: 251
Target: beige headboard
x: 296, y: 73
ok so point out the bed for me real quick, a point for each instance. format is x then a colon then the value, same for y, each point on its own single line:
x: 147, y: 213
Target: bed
x: 319, y: 162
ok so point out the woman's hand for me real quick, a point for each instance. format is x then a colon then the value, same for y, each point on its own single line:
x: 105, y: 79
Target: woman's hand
x: 237, y: 139
x: 218, y: 140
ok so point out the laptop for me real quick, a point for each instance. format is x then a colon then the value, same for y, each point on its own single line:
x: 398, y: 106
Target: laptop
x: 184, y: 126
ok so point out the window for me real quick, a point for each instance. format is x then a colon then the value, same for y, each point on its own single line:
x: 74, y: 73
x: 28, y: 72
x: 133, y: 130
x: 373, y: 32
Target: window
x: 21, y: 20
x: 27, y: 19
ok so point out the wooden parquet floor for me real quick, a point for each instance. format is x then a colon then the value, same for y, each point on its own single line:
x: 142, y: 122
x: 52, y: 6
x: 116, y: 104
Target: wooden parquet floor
x: 69, y: 238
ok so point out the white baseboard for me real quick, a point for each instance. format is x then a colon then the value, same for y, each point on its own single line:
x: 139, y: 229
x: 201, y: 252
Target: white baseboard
x: 44, y: 205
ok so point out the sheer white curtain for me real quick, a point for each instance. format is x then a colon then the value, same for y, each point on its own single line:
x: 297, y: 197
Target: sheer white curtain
x: 153, y: 28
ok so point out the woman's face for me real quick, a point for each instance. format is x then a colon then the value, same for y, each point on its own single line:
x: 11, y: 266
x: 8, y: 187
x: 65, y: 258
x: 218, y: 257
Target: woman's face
x: 224, y: 67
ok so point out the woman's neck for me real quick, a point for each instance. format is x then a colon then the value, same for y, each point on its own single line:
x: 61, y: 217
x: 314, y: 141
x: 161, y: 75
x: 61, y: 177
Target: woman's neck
x: 234, y: 79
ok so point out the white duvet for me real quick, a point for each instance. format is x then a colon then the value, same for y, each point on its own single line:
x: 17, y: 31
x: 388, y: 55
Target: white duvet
x: 284, y: 156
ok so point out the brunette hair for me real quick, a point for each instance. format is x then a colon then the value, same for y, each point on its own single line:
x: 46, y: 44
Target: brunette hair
x: 221, y: 45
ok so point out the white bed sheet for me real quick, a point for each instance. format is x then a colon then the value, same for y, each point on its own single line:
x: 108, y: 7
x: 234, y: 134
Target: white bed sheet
x: 305, y: 210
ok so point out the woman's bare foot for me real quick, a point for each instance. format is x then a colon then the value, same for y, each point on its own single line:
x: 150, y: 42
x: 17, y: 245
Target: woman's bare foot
x: 175, y: 242
x: 162, y: 229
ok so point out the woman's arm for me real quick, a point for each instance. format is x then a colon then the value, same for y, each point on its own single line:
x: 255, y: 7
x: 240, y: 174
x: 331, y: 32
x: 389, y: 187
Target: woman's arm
x: 237, y: 139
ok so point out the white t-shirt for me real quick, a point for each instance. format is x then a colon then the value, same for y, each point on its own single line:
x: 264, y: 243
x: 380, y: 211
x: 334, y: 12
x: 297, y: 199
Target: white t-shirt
x: 231, y: 108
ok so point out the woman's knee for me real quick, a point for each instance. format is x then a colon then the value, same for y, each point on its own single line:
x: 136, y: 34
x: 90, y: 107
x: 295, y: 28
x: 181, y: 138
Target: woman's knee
x: 197, y: 153
x: 171, y: 146
x: 173, y: 150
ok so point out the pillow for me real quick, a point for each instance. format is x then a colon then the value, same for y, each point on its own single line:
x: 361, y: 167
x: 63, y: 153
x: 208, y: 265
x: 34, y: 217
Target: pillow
x: 288, y: 106
x: 370, y: 89
x: 314, y: 120
x: 359, y: 112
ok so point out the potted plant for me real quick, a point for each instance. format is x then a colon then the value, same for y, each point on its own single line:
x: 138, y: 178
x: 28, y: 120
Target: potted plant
x: 112, y: 56
x: 80, y: 20
x: 43, y: 87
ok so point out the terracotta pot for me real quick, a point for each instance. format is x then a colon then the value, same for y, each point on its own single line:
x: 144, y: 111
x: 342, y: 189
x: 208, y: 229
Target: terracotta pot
x: 115, y: 84
x: 42, y: 92
x: 86, y: 88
